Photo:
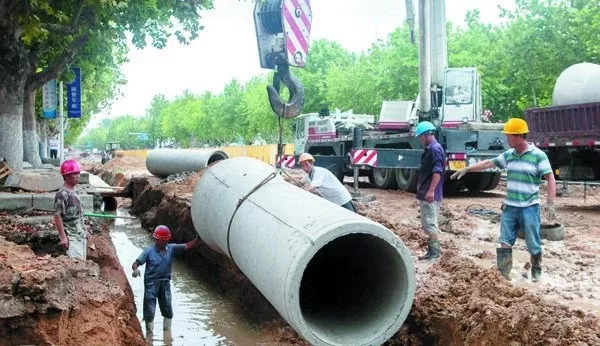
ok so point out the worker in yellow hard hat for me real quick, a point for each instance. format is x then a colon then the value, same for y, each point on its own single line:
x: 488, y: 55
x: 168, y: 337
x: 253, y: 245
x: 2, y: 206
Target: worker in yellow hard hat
x: 322, y: 182
x: 525, y: 165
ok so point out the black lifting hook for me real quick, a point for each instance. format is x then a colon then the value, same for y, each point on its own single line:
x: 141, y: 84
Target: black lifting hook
x: 293, y: 107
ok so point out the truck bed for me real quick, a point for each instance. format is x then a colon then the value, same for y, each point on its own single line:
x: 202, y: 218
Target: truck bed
x: 571, y: 125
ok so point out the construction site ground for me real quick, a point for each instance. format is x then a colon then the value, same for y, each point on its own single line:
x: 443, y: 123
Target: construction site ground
x: 460, y: 298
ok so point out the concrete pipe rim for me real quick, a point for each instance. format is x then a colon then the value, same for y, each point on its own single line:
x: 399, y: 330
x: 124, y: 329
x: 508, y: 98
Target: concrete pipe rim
x: 215, y: 157
x: 383, y: 310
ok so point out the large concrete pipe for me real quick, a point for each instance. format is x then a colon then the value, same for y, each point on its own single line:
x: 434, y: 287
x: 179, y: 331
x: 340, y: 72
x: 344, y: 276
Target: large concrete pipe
x: 579, y: 83
x: 164, y: 162
x: 336, y: 277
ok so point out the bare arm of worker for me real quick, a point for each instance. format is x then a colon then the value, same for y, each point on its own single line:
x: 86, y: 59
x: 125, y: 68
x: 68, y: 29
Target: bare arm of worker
x: 135, y: 265
x: 551, y: 186
x: 478, y: 167
x: 64, y: 241
x: 190, y: 244
x: 435, y: 180
x: 551, y: 194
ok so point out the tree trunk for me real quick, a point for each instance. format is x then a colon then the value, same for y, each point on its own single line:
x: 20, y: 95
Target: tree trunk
x: 14, y: 68
x: 42, y: 130
x: 11, y: 130
x: 30, y: 138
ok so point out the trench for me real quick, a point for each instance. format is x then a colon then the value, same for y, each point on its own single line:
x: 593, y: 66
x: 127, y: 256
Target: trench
x: 202, y: 314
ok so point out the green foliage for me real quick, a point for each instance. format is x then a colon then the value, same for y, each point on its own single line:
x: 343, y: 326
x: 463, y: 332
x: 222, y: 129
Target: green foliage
x: 519, y: 62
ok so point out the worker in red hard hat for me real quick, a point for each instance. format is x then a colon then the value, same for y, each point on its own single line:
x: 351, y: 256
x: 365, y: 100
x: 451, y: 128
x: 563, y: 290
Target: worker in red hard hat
x: 68, y: 214
x: 157, y: 277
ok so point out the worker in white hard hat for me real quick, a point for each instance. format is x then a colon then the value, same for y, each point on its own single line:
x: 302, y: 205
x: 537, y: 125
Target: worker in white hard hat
x: 324, y: 183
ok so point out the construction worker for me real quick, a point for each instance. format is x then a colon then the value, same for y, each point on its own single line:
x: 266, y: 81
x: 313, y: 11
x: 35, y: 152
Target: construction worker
x: 68, y: 215
x: 324, y: 183
x: 157, y: 277
x: 525, y: 165
x: 430, y: 183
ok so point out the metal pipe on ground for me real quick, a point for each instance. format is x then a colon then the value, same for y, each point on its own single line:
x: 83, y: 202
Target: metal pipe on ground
x: 336, y: 277
x: 164, y: 162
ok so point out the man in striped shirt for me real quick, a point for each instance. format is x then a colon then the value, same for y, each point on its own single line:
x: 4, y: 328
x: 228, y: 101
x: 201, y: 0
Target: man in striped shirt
x: 525, y: 165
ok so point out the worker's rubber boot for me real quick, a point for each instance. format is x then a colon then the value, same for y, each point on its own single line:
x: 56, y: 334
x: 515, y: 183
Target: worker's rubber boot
x: 433, y: 250
x: 149, y: 327
x: 167, y: 324
x: 536, y: 267
x: 504, y: 261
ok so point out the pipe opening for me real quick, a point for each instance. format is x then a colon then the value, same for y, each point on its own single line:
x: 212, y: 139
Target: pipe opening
x: 216, y: 156
x: 353, y: 289
x: 109, y: 203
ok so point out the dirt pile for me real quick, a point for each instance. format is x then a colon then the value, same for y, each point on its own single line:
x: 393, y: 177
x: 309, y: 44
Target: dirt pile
x: 118, y: 171
x: 459, y: 303
x: 47, y: 298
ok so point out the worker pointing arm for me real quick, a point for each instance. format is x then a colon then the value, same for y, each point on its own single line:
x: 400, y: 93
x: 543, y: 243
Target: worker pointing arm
x: 525, y: 165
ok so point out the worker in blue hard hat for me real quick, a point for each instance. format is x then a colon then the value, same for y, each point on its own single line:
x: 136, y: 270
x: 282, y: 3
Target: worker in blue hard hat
x: 430, y: 183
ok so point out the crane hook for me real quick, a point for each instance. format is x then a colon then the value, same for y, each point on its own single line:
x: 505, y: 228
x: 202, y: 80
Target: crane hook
x: 293, y: 107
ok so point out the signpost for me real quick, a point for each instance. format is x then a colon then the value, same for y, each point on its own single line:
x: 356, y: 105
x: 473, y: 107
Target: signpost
x: 49, y: 100
x: 74, y: 95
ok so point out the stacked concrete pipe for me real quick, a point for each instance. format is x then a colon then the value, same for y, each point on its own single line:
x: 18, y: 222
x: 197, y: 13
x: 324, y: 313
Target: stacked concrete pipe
x: 164, y: 162
x: 336, y: 277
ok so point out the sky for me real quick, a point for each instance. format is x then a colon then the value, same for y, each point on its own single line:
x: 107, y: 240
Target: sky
x: 226, y: 48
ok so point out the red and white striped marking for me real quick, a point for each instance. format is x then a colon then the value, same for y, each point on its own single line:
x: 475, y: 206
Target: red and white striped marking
x: 288, y: 161
x: 366, y: 157
x: 297, y: 21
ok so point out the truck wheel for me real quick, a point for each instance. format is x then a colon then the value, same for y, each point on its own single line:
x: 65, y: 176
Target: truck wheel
x: 383, y: 178
x: 477, y: 181
x: 340, y: 175
x: 452, y: 187
x: 494, y: 180
x: 406, y: 179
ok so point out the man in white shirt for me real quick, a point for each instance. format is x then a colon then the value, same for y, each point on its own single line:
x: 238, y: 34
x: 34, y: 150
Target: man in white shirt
x: 53, y: 145
x: 324, y: 183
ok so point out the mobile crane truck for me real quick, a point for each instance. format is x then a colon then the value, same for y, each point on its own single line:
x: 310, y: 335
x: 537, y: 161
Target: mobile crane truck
x: 387, y: 151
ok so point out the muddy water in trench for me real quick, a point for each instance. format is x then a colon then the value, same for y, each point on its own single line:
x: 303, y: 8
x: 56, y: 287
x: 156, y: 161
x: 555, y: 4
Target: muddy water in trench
x: 202, y: 315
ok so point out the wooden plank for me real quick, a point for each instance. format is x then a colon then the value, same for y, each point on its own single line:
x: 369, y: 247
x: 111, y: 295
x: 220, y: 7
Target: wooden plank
x: 4, y: 171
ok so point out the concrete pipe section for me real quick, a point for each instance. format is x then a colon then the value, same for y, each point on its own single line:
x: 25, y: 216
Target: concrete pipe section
x: 336, y: 277
x: 164, y: 162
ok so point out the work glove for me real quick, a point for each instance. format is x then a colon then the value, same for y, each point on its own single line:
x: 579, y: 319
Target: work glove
x: 460, y: 173
x: 550, y: 210
x: 136, y: 273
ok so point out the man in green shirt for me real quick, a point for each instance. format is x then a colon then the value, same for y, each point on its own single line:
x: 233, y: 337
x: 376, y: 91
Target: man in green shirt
x: 525, y: 165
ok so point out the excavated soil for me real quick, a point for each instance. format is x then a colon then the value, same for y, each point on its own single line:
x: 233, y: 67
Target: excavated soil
x: 460, y: 299
x: 47, y: 298
x: 118, y: 171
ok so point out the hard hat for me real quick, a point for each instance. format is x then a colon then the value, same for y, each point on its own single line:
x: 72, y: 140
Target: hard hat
x: 515, y: 126
x: 306, y: 157
x: 424, y: 126
x: 69, y: 167
x: 162, y: 232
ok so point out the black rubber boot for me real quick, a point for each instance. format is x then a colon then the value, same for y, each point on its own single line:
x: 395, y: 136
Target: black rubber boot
x: 536, y: 267
x: 433, y: 251
x: 504, y: 261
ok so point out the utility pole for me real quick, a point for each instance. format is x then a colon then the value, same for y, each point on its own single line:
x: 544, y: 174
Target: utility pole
x: 61, y: 141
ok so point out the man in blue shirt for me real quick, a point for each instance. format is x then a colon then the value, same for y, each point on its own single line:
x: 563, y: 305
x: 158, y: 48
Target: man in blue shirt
x: 429, y: 186
x: 157, y: 278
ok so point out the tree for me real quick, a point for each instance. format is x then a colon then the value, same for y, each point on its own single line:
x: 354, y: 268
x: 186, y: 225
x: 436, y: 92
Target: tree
x: 323, y: 56
x: 39, y: 38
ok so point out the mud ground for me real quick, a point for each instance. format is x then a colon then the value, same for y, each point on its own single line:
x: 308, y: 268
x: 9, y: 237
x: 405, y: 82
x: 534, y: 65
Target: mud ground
x: 460, y: 298
x: 47, y: 298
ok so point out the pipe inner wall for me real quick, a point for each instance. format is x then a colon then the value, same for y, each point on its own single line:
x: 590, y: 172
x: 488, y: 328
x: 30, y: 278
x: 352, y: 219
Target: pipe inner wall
x: 164, y: 162
x: 336, y: 277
